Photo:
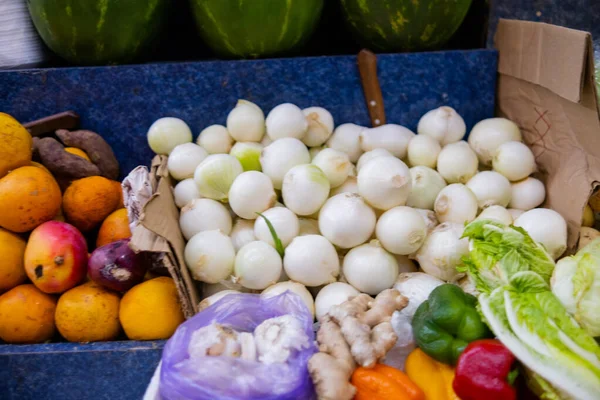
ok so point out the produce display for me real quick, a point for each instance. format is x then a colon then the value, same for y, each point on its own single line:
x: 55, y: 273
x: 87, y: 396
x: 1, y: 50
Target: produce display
x: 67, y: 270
x: 425, y: 259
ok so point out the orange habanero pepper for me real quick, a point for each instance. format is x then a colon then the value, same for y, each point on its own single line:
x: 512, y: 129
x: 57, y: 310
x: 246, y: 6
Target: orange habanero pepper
x: 384, y: 382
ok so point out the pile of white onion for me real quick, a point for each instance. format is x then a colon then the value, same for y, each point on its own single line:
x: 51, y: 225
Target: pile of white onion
x: 289, y: 201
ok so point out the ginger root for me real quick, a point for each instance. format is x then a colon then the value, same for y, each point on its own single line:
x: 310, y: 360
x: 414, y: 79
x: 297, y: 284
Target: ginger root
x: 356, y: 332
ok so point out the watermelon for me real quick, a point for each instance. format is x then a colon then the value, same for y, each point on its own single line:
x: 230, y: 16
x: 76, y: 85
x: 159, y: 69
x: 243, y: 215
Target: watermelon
x: 404, y: 25
x: 92, y: 32
x: 255, y: 28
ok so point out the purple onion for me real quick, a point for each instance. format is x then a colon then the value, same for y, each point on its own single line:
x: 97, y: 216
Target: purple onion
x: 115, y: 266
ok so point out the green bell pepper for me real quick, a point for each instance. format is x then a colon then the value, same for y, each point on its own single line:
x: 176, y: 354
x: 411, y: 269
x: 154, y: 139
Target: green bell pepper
x: 447, y: 322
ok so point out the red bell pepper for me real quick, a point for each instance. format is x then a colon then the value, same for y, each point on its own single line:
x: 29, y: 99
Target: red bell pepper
x: 483, y: 372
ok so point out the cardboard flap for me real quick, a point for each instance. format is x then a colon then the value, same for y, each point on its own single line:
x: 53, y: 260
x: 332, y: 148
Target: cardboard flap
x: 547, y: 55
x: 546, y: 86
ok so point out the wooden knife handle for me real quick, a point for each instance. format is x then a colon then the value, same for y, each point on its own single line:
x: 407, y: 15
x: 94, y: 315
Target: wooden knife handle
x: 367, y: 66
x: 64, y: 120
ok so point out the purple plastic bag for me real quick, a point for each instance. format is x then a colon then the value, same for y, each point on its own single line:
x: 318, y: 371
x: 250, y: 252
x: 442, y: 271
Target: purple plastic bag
x: 213, y: 378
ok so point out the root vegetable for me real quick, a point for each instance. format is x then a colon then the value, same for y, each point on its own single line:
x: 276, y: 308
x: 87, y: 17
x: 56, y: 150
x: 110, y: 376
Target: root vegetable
x: 401, y: 230
x: 487, y: 135
x: 457, y: 162
x: 346, y: 220
x: 286, y: 121
x: 276, y: 338
x: 370, y: 268
x: 185, y: 191
x: 514, y: 160
x: 334, y: 164
x: 426, y: 185
x: 204, y: 215
x: 215, y: 139
x: 443, y: 124
x: 251, y: 193
x: 246, y: 122
x: 215, y: 175
x: 305, y: 189
x: 455, y: 203
x: 496, y: 213
x: 282, y: 155
x: 442, y: 252
x: 184, y: 159
x: 527, y: 194
x: 394, y: 138
x: 257, y: 266
x: 385, y: 182
x: 165, y: 134
x: 423, y: 150
x: 345, y: 138
x: 332, y: 295
x: 116, y: 267
x: 242, y: 233
x: 311, y: 260
x: 284, y: 222
x: 210, y: 256
x: 61, y: 163
x: 248, y: 154
x: 490, y: 188
x: 350, y: 185
x: 320, y: 126
x: 99, y: 152
x: 546, y: 227
x: 293, y: 287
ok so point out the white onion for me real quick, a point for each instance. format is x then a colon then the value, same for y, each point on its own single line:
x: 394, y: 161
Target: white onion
x: 210, y: 256
x: 266, y: 140
x: 514, y: 213
x: 286, y: 121
x: 546, y: 227
x: 251, y: 193
x: 346, y: 220
x: 284, y: 222
x: 280, y: 156
x: 350, y: 185
x: 401, y: 230
x: 369, y: 155
x: 385, y: 182
x: 370, y: 269
x: 305, y: 189
x: 204, y: 215
x: 443, y: 251
x: 308, y: 226
x: 457, y: 162
x: 311, y: 260
x: 320, y: 126
x: 167, y: 133
x: 215, y: 175
x: 423, y: 150
x: 429, y: 218
x: 332, y: 295
x: 496, y: 213
x: 426, y: 185
x: 443, y: 124
x: 242, y: 233
x: 314, y: 151
x: 490, y: 188
x: 455, y: 203
x: 293, y: 287
x: 246, y: 122
x: 394, y: 138
x: 487, y: 135
x: 345, y: 138
x: 257, y: 266
x: 248, y: 154
x: 185, y: 191
x: 215, y: 140
x: 527, y: 194
x: 514, y: 160
x: 334, y: 164
x: 210, y: 300
x: 184, y: 159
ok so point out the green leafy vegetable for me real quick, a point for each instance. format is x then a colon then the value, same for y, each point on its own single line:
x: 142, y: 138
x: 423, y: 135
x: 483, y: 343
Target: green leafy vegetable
x: 276, y: 240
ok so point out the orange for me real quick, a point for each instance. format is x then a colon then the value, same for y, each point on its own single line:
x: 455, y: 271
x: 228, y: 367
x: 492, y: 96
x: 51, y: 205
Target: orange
x: 15, y: 145
x: 12, y: 269
x: 77, y: 152
x: 29, y: 196
x: 88, y: 313
x: 151, y: 310
x: 115, y: 227
x: 88, y: 201
x: 26, y: 315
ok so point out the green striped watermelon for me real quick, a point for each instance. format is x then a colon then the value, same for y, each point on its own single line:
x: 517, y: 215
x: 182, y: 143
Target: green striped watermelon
x: 399, y: 25
x: 256, y: 28
x: 98, y: 31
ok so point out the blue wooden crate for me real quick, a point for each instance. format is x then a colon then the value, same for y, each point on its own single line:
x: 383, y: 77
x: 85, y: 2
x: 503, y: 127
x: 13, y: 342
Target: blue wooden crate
x: 121, y: 102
